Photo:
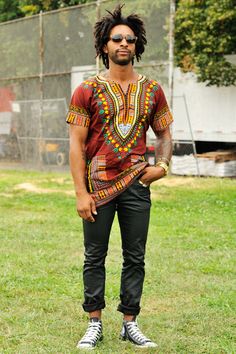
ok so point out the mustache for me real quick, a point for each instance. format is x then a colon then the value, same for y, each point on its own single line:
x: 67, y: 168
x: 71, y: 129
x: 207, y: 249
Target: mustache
x: 123, y: 50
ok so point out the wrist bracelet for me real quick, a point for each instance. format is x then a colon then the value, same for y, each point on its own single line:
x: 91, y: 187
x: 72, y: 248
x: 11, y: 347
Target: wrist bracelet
x: 164, y: 166
x: 163, y: 159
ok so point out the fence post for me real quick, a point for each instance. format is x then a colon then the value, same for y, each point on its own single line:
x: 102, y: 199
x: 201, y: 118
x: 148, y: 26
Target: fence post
x: 98, y: 15
x: 41, y: 57
x: 171, y: 52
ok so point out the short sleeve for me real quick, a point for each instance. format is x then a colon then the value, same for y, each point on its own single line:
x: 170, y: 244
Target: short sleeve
x: 78, y: 113
x: 162, y: 116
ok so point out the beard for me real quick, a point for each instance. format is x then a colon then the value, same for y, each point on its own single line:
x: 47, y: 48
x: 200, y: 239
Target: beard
x: 116, y: 59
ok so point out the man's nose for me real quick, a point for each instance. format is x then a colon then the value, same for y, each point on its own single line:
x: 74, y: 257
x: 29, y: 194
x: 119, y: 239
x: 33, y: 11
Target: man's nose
x: 124, y: 42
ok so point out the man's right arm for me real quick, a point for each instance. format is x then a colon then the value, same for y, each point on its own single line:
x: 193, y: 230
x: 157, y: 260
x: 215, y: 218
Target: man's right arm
x: 84, y: 202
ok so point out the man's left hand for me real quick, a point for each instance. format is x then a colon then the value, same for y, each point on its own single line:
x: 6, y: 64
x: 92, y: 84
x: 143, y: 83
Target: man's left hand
x: 151, y: 174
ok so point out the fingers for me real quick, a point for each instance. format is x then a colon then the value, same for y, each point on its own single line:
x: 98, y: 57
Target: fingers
x: 89, y: 217
x: 86, y: 215
x: 145, y: 180
x: 143, y: 184
x: 93, y: 207
x: 86, y: 211
x: 151, y: 174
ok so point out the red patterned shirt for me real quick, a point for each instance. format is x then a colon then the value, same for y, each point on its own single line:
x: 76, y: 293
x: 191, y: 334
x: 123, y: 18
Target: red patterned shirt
x: 117, y: 123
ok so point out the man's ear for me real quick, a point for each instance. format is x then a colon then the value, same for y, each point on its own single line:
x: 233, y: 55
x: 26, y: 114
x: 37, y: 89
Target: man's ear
x: 105, y: 49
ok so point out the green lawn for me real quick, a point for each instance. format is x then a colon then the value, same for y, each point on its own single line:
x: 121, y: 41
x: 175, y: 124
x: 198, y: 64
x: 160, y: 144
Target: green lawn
x: 188, y: 301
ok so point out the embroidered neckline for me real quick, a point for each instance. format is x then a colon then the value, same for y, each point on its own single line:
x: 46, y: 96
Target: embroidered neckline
x: 101, y: 78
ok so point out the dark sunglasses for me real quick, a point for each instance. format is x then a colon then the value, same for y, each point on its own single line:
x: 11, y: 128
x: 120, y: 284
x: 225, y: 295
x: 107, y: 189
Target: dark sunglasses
x: 117, y: 38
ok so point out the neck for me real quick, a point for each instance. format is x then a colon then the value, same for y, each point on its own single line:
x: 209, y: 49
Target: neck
x: 121, y: 73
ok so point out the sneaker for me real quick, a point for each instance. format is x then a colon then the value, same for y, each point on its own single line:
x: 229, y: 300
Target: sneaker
x: 131, y: 332
x: 92, y: 335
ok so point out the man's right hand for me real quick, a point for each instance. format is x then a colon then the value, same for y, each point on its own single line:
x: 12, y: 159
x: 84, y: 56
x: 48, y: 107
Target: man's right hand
x: 86, y: 207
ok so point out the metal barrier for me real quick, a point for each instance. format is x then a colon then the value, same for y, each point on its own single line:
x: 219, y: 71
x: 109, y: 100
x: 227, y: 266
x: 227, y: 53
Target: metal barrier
x: 40, y: 57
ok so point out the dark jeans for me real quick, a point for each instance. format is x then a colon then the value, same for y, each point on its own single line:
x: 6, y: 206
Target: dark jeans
x: 133, y: 209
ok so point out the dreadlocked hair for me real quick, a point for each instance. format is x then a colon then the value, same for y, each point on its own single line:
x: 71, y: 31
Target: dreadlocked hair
x: 104, y: 26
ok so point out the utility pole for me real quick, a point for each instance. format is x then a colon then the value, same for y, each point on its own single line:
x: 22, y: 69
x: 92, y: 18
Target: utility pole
x: 171, y: 52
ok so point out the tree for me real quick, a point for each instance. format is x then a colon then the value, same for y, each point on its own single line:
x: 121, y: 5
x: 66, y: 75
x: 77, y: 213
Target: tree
x: 32, y: 7
x: 12, y: 9
x: 205, y: 31
x: 9, y: 10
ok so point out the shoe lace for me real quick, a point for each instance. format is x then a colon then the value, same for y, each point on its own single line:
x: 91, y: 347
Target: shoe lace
x: 136, y: 333
x: 92, y: 333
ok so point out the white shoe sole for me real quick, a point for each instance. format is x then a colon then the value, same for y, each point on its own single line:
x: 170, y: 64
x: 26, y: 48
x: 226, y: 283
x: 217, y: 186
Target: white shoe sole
x: 136, y: 345
x: 84, y: 347
x: 87, y: 347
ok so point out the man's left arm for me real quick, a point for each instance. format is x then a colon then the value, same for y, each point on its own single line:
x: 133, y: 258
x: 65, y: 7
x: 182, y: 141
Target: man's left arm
x: 163, y: 152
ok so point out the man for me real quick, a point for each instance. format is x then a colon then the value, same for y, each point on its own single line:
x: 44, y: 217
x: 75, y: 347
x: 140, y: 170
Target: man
x: 109, y: 115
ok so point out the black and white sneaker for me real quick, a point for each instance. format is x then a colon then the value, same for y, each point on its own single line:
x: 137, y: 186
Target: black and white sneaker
x: 92, y: 335
x: 131, y: 332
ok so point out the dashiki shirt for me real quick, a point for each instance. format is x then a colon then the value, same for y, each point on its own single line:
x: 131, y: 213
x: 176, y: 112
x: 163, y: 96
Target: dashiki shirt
x: 117, y: 123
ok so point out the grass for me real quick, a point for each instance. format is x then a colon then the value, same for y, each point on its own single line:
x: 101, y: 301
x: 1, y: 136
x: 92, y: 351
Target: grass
x: 188, y: 301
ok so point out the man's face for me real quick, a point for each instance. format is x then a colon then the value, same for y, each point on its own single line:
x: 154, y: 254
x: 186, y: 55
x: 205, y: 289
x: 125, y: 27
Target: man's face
x: 122, y: 52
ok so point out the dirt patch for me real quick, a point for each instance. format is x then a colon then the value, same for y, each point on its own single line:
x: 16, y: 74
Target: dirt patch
x: 6, y: 195
x: 60, y: 180
x: 176, y: 181
x: 167, y: 182
x: 29, y: 187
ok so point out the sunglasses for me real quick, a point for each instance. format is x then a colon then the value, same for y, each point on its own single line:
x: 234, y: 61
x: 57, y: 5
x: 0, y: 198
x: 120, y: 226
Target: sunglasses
x: 117, y: 38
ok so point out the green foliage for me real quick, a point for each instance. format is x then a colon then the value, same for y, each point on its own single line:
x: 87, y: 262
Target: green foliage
x: 205, y: 31
x: 9, y: 10
x: 31, y: 7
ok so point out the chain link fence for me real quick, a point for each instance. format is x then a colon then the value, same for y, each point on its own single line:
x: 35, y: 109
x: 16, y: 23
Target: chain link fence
x: 43, y: 57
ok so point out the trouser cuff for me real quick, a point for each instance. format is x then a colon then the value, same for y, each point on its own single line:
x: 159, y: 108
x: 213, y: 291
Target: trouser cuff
x: 128, y: 310
x: 94, y: 307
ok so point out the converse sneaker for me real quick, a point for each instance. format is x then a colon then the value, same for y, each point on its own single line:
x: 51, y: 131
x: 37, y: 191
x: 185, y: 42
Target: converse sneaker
x: 92, y: 335
x: 131, y: 332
